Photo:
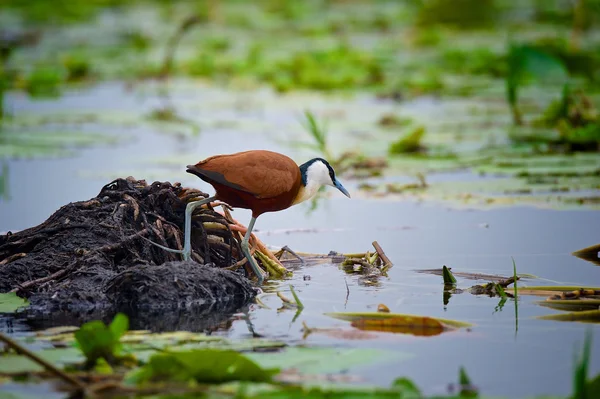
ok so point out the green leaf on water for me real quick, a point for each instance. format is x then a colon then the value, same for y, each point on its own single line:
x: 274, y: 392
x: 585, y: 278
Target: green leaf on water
x: 448, y: 277
x: 13, y: 363
x: 10, y: 302
x: 97, y: 340
x: 407, y: 387
x: 319, y: 360
x: 119, y: 325
x: 527, y: 64
x: 593, y: 387
x: 586, y: 316
x: 582, y: 363
x: 201, y: 365
x: 466, y: 388
x: 409, y: 143
x: 572, y: 305
x: 515, y: 290
x: 357, y: 316
x: 500, y: 291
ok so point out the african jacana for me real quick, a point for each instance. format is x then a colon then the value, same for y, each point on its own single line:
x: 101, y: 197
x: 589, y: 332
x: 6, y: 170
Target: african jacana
x: 262, y: 181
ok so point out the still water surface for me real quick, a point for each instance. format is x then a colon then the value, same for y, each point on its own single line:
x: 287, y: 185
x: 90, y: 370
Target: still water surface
x: 501, y: 355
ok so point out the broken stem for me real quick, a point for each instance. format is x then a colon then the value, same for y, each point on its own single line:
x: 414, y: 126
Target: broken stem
x: 298, y: 301
x: 387, y: 263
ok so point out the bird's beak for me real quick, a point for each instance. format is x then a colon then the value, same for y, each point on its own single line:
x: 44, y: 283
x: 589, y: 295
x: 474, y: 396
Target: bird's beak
x: 339, y: 186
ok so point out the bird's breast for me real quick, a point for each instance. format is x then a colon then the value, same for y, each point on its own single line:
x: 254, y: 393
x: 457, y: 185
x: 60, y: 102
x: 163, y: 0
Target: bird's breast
x: 305, y: 193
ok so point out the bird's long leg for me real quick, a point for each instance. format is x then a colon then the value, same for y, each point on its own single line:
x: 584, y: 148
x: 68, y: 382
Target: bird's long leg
x: 246, y: 250
x: 187, y: 244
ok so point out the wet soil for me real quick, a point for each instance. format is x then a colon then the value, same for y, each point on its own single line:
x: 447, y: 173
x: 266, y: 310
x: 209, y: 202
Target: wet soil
x: 94, y: 255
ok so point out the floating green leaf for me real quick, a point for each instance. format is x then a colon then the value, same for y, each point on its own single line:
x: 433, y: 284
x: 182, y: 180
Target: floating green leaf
x: 357, y: 316
x: 201, y: 365
x: 582, y: 363
x: 97, y: 340
x: 10, y: 302
x: 410, y: 143
x: 586, y: 316
x: 13, y: 363
x: 409, y: 388
x: 449, y: 279
x: 466, y: 388
x: 573, y: 305
x: 317, y: 360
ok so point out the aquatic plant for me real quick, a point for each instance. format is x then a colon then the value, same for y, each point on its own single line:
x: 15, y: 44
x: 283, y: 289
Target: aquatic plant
x: 318, y: 132
x: 45, y: 81
x: 582, y: 364
x: 409, y: 143
x: 462, y: 14
x: 201, y: 366
x: 576, y: 119
x: 78, y: 67
x: 99, y: 341
x: 525, y: 64
x: 449, y: 279
x: 478, y: 61
x: 340, y: 67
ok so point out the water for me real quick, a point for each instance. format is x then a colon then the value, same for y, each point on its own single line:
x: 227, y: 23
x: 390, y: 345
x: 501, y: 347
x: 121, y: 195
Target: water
x: 502, y: 355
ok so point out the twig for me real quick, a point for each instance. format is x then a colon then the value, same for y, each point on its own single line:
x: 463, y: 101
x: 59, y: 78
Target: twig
x: 288, y: 249
x: 386, y: 261
x: 47, y: 365
x: 126, y: 240
x: 13, y: 258
x: 43, y: 280
x: 357, y: 261
x: 347, y: 291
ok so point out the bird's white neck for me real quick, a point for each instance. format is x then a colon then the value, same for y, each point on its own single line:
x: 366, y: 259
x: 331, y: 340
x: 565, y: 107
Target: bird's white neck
x: 307, y: 192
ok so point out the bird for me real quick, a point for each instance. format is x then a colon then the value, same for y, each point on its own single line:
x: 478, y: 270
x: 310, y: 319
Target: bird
x: 259, y: 180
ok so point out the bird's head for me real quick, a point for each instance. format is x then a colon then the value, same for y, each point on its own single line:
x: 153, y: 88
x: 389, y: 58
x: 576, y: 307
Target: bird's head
x: 318, y: 172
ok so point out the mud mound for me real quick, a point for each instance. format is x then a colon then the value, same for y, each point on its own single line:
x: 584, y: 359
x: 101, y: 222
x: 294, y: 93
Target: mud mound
x: 93, y: 255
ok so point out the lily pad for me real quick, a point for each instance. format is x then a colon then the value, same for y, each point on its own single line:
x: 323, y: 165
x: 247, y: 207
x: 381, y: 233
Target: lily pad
x: 586, y: 316
x: 10, y: 302
x: 201, y: 365
x: 406, y: 319
x: 574, y: 305
x: 12, y: 363
x: 309, y: 360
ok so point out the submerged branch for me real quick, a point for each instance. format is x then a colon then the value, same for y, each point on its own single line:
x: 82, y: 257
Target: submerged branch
x: 47, y: 365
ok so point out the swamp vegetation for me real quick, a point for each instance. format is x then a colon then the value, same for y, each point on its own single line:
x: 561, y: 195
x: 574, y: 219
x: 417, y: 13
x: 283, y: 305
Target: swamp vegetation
x: 468, y: 132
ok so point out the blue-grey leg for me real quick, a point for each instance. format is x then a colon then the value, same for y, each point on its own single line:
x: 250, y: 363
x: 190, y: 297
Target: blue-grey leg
x: 245, y: 248
x: 187, y: 232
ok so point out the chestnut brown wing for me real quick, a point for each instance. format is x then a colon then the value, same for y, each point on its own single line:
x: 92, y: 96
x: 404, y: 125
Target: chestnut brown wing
x: 264, y: 174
